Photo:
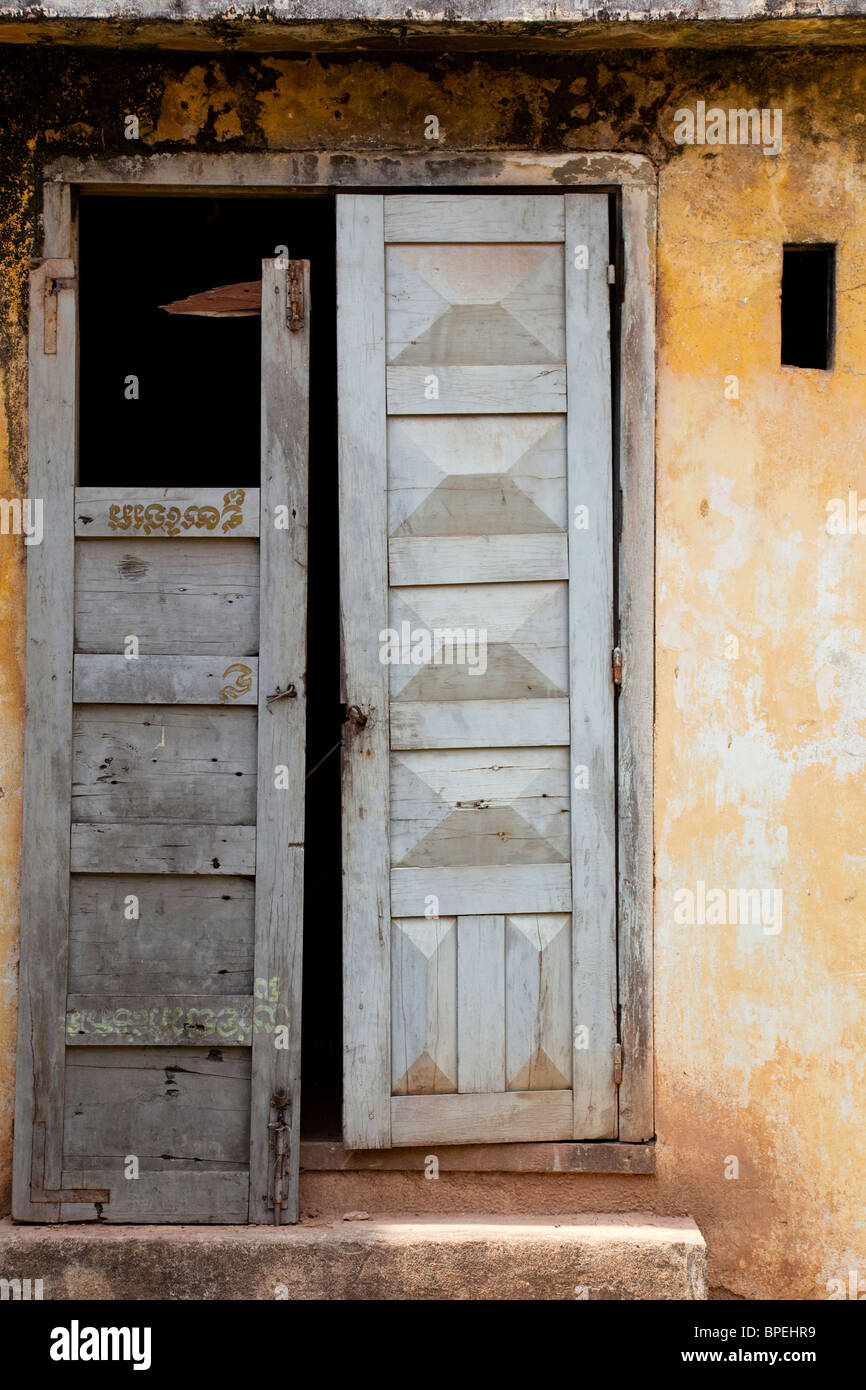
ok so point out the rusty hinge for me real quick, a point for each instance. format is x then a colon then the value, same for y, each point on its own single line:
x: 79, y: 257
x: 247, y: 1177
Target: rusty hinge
x: 617, y: 1064
x: 616, y: 660
x: 295, y: 297
x: 279, y: 1128
x: 59, y: 275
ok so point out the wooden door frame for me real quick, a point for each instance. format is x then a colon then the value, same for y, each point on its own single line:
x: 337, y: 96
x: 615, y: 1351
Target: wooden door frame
x: 633, y: 179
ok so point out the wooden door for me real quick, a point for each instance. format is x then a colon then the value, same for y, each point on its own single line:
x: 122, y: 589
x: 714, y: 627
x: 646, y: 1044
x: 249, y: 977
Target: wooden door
x: 476, y: 497
x: 162, y: 875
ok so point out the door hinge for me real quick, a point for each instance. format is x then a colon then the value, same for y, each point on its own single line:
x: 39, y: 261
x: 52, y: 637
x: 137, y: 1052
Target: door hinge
x: 616, y: 661
x: 611, y: 275
x: 63, y: 278
x: 617, y: 1064
x: 295, y: 297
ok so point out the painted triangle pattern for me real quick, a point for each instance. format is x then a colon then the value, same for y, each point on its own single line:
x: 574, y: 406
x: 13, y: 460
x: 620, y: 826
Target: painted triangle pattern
x: 479, y: 807
x: 423, y: 1006
x: 461, y: 305
x: 476, y: 475
x: 538, y: 974
x: 525, y: 641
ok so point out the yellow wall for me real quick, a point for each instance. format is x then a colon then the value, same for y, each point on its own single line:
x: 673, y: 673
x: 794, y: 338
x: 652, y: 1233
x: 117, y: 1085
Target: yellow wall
x: 760, y: 757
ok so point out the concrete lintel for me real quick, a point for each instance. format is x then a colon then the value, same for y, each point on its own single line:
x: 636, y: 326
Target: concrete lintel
x: 634, y: 1256
x: 336, y: 28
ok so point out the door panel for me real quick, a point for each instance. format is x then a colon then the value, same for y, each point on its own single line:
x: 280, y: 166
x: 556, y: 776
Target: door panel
x: 167, y: 782
x: 487, y: 459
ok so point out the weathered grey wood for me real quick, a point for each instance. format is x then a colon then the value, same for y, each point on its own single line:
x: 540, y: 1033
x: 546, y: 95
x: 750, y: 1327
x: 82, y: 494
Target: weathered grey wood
x: 136, y: 512
x: 476, y: 306
x: 471, y: 890
x: 477, y: 390
x: 423, y: 1005
x: 179, y: 680
x: 323, y: 1156
x: 160, y: 935
x: 636, y: 593
x: 364, y: 612
x: 194, y: 1198
x: 177, y: 597
x: 476, y: 559
x: 141, y: 1020
x: 538, y: 1004
x: 481, y: 1003
x: 593, y: 809
x: 500, y: 807
x: 281, y: 741
x: 479, y: 1119
x: 163, y: 849
x: 464, y: 475
x: 442, y: 218
x: 164, y: 763
x: 47, y: 745
x: 157, y: 1103
x: 478, y: 723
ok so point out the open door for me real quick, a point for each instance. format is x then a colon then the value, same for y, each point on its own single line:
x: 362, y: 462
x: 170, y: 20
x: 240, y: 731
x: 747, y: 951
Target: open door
x: 477, y: 603
x: 158, y: 1067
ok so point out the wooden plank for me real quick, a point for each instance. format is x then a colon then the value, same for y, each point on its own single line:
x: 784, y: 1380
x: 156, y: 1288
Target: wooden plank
x: 178, y: 680
x: 238, y: 301
x: 323, y: 1156
x: 196, y: 1198
x: 471, y: 890
x: 423, y: 1005
x: 166, y: 1020
x: 635, y: 721
x: 281, y: 741
x: 364, y: 612
x: 476, y: 559
x: 538, y: 1005
x: 478, y: 1119
x: 478, y: 723
x: 593, y: 810
x: 177, y: 597
x: 47, y: 745
x: 163, y: 764
x: 136, y: 512
x: 184, y: 1106
x: 439, y: 217
x: 160, y: 935
x: 481, y: 1003
x: 163, y: 849
x: 475, y: 390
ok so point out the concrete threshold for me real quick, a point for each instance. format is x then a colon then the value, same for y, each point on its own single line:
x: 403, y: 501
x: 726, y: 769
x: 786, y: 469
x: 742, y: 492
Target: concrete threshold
x: 636, y: 1256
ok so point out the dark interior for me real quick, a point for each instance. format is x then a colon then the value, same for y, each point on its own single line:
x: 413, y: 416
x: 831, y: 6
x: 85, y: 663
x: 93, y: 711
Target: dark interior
x: 808, y: 295
x: 196, y: 424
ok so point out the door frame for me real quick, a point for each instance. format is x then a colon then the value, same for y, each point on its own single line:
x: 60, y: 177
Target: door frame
x: 633, y: 179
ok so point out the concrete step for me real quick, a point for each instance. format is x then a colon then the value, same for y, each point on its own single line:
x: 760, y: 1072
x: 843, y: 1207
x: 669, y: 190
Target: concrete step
x: 636, y: 1256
